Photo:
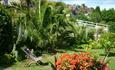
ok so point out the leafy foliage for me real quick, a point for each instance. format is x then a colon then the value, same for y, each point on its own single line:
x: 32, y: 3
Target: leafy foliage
x: 108, y: 41
x: 6, y: 31
x: 7, y: 59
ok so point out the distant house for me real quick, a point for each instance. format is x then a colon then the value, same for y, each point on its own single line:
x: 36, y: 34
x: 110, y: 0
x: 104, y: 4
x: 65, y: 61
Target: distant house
x: 76, y: 9
x: 5, y: 2
x: 72, y: 8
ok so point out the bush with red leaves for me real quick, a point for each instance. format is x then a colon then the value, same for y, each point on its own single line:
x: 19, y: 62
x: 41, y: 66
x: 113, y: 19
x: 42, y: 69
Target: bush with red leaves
x: 82, y: 61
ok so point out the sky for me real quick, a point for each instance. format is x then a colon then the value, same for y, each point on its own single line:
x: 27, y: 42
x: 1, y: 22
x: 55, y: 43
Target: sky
x: 92, y: 3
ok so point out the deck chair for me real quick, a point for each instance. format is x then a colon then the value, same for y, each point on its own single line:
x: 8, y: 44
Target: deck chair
x: 31, y: 57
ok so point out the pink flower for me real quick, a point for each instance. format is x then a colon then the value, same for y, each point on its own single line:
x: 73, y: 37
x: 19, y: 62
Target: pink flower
x: 106, y: 67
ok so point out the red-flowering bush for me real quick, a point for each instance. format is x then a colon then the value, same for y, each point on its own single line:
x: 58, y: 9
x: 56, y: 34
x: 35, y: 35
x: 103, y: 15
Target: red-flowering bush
x: 82, y: 61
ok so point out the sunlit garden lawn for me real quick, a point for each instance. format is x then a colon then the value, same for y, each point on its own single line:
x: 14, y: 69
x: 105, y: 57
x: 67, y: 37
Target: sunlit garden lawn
x: 47, y: 57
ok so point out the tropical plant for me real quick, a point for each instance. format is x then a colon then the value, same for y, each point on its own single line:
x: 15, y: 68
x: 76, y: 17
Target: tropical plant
x: 44, y: 25
x: 7, y: 35
x: 107, y: 41
x: 82, y: 61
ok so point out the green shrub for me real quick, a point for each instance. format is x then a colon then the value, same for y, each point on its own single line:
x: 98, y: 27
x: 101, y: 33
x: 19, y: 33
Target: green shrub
x: 107, y: 41
x: 7, y: 59
x: 6, y: 31
x: 112, y: 50
x: 111, y: 26
x: 92, y: 44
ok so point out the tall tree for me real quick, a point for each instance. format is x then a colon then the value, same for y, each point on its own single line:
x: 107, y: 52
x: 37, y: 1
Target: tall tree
x: 108, y: 15
x: 96, y: 15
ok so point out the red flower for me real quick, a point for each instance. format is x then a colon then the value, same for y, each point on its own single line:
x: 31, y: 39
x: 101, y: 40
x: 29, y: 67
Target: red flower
x: 72, y: 67
x: 60, y: 67
x: 74, y: 56
x: 73, y: 62
x: 58, y: 62
x: 91, y: 64
x: 65, y: 56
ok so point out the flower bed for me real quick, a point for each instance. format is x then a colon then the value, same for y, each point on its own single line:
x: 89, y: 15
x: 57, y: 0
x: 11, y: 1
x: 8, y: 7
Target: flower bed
x: 82, y: 61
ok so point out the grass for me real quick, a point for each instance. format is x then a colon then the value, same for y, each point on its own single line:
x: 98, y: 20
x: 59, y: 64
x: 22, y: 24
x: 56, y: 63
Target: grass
x: 47, y: 57
x: 112, y: 63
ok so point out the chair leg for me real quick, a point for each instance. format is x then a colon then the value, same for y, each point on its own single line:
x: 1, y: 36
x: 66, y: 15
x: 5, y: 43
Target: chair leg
x: 28, y: 62
x: 42, y: 63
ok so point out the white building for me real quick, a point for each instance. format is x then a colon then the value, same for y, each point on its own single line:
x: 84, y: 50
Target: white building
x: 98, y: 27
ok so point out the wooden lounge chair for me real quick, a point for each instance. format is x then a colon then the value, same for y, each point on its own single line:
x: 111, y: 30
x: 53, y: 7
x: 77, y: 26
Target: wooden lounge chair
x: 31, y: 57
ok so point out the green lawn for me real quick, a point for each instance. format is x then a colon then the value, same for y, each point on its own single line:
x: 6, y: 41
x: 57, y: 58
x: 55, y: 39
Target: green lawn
x: 46, y: 57
x: 112, y: 63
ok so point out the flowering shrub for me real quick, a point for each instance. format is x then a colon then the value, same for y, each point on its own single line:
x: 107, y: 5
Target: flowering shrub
x: 82, y: 61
